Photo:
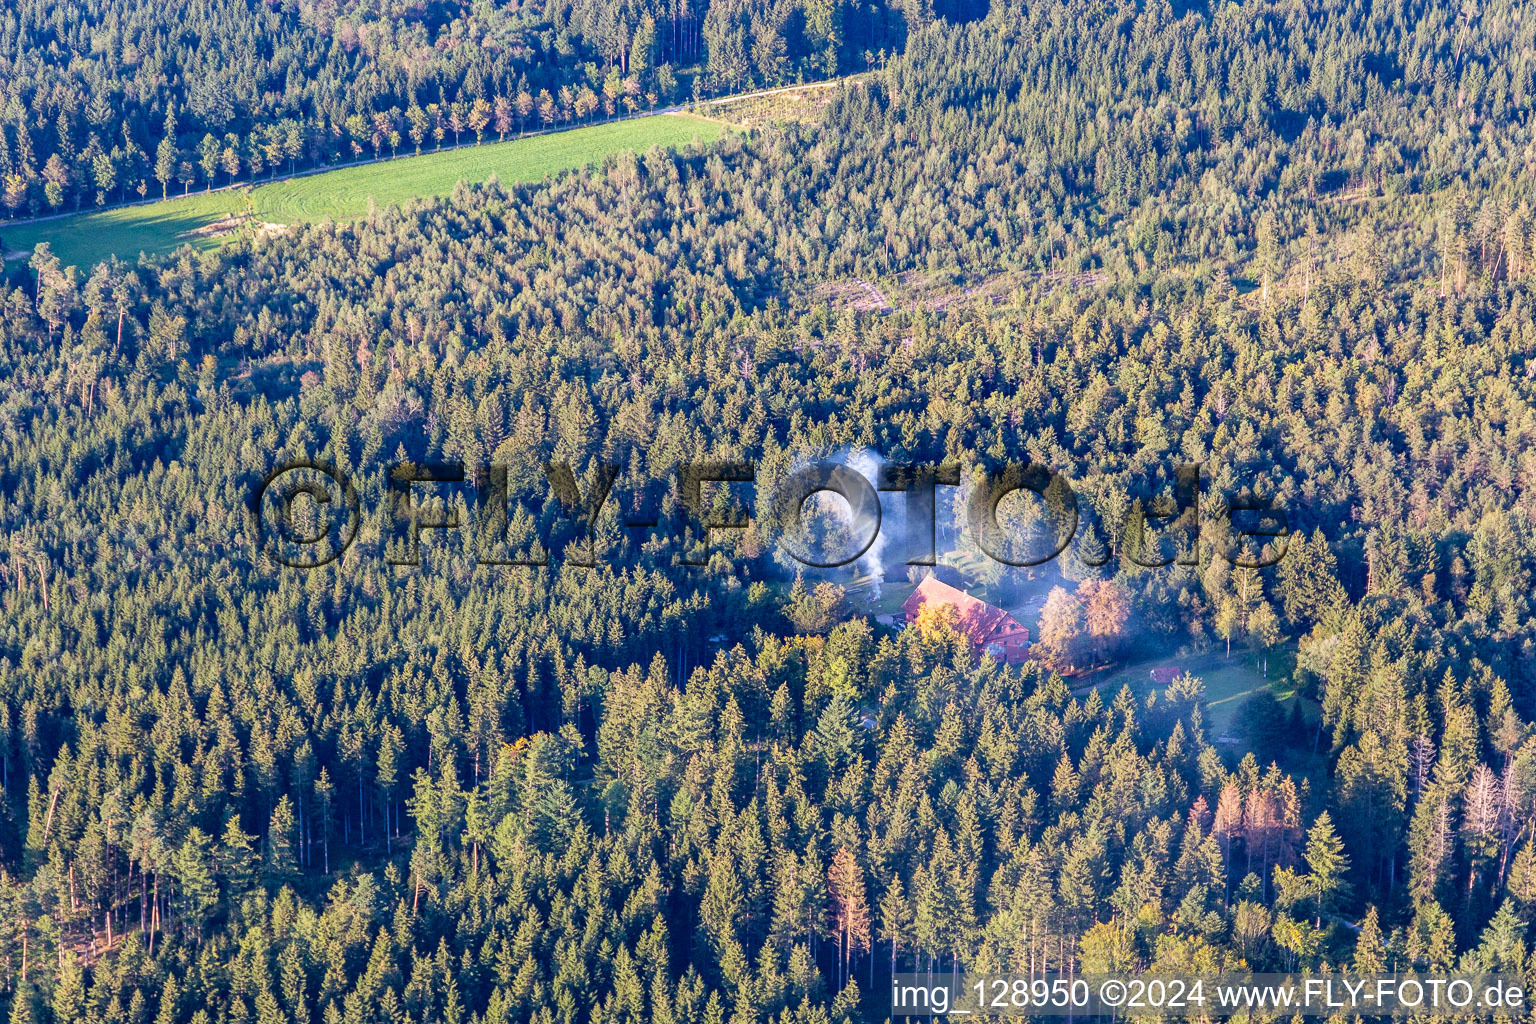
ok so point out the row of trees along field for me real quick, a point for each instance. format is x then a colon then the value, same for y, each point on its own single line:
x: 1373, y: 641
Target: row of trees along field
x: 446, y: 792
x: 111, y: 101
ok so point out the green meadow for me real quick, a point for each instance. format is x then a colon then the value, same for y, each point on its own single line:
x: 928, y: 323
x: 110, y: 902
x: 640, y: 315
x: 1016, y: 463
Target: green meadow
x: 1229, y: 681
x: 343, y: 194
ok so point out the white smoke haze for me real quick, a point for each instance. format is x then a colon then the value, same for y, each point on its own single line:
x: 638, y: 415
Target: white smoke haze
x: 830, y: 526
x: 893, y: 507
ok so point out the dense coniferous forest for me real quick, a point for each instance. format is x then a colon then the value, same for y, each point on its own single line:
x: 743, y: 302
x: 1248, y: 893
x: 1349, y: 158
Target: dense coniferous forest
x: 1291, y: 243
x: 104, y: 101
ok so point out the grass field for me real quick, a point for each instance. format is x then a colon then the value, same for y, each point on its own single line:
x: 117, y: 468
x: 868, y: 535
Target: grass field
x: 343, y: 194
x: 1228, y: 682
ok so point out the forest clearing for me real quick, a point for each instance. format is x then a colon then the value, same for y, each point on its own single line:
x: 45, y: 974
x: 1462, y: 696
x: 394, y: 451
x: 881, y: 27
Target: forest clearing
x: 343, y: 194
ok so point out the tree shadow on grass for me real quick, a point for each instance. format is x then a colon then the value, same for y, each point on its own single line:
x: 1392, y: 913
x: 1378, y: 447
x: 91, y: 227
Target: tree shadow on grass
x: 86, y: 239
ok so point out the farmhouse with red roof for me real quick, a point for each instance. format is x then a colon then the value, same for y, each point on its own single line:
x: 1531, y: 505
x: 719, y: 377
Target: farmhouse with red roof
x: 990, y: 629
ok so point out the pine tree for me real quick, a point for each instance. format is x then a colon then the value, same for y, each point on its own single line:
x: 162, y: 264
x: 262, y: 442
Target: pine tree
x: 167, y: 156
x: 325, y: 796
x: 1267, y: 253
x: 22, y: 1004
x: 1307, y: 581
x: 235, y: 867
x: 196, y: 892
x: 1432, y: 938
x: 1064, y: 785
x: 1227, y: 827
x: 278, y: 865
x: 1370, y: 951
x: 896, y: 923
x: 850, y: 909
x: 1326, y: 862
x: 68, y: 993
